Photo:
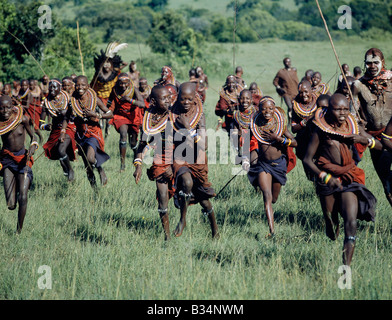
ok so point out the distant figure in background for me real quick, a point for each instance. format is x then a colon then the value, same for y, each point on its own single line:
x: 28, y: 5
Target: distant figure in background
x: 15, y: 88
x: 357, y: 72
x: 7, y: 90
x: 145, y: 90
x: 44, y: 85
x: 318, y: 86
x: 286, y: 84
x: 202, y: 76
x: 238, y: 76
x: 107, y: 66
x: 257, y: 94
x: 347, y: 73
x: 308, y: 75
x: 228, y: 102
x: 192, y: 75
x: 134, y: 74
x: 167, y: 77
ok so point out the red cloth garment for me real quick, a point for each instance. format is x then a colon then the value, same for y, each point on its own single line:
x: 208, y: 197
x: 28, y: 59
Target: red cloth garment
x: 348, y: 172
x: 125, y: 113
x: 34, y: 112
x: 50, y: 146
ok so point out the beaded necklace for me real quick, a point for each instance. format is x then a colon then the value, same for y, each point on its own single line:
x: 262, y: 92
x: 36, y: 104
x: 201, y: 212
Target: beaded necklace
x: 305, y: 110
x: 349, y: 128
x: 195, y: 117
x: 58, y: 104
x: 154, y: 123
x: 78, y: 107
x: 277, y: 124
x: 244, y: 118
x: 14, y: 120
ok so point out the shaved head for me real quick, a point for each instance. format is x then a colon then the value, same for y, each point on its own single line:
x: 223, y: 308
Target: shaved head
x: 187, y: 87
x: 305, y: 84
x: 338, y: 99
x: 5, y: 100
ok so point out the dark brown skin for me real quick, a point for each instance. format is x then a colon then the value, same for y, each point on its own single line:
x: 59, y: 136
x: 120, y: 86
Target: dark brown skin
x: 64, y: 140
x: 328, y: 146
x: 126, y: 131
x: 160, y: 100
x: 268, y: 187
x: 376, y: 113
x: 16, y: 185
x: 187, y: 94
x: 81, y: 88
x: 304, y: 91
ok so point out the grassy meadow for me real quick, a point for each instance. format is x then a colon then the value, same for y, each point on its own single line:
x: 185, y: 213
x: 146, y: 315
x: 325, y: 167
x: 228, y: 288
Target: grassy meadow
x: 109, y: 244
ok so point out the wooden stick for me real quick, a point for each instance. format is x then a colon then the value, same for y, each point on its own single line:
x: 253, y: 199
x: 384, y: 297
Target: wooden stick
x: 26, y: 50
x: 337, y: 58
x: 234, y: 31
x: 80, y: 50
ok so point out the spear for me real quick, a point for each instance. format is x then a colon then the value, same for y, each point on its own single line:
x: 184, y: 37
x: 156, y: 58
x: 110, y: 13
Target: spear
x: 337, y: 58
x: 80, y: 50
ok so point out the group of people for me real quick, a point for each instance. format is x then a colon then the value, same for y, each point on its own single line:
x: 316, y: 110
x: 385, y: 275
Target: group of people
x: 328, y: 132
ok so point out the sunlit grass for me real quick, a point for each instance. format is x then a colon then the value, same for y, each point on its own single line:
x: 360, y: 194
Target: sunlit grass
x: 109, y: 244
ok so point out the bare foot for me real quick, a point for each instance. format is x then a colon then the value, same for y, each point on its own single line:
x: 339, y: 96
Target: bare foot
x: 71, y: 175
x: 180, y: 227
x: 270, y: 235
x: 102, y: 176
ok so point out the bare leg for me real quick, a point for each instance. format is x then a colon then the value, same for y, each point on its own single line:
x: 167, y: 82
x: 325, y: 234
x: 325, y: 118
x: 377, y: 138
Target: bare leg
x: 208, y: 210
x: 328, y: 206
x: 9, y: 181
x: 64, y: 160
x: 24, y: 185
x: 349, y: 213
x: 186, y: 184
x: 163, y: 202
x: 265, y: 184
x: 133, y: 138
x: 123, y: 130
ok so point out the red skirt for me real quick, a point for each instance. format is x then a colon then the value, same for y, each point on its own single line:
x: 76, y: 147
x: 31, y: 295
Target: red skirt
x: 51, y: 146
x: 133, y: 118
x: 34, y: 112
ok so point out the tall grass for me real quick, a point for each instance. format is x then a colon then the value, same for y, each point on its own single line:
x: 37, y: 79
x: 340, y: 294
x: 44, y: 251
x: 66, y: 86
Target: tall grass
x: 109, y: 244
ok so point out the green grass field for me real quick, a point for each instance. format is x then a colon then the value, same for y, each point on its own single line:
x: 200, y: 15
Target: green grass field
x: 109, y: 244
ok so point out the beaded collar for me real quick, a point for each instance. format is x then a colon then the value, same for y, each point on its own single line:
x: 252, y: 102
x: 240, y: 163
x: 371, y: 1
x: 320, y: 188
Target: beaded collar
x: 303, y: 110
x: 195, y: 116
x: 350, y: 127
x: 244, y: 118
x: 78, y: 107
x: 14, y: 120
x: 278, y: 124
x: 154, y: 123
x: 57, y: 104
